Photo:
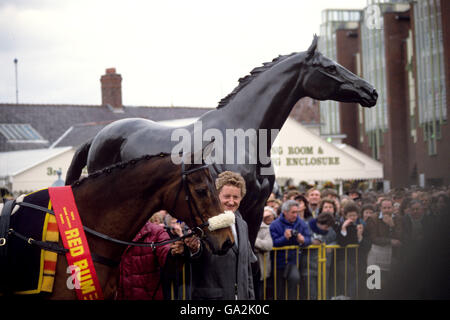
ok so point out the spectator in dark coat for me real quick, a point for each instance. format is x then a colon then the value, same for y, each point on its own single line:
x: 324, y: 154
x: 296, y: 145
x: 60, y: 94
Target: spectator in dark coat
x: 350, y: 232
x: 415, y: 223
x: 385, y: 233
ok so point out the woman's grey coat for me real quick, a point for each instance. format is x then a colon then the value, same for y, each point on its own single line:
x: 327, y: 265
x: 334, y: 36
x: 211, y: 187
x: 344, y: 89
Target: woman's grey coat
x: 264, y: 244
x: 214, y: 277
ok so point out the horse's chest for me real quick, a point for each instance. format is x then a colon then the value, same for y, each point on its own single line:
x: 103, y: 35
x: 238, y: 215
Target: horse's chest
x: 31, y: 269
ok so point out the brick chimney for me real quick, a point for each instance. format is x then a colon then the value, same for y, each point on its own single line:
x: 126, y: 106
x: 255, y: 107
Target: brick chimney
x: 112, y: 89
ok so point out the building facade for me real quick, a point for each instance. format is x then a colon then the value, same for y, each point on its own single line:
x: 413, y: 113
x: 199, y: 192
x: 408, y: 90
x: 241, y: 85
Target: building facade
x: 430, y: 102
x: 335, y: 44
x: 402, y: 48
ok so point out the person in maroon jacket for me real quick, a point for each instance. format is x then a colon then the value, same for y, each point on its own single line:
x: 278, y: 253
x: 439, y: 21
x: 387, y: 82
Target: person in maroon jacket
x: 141, y: 267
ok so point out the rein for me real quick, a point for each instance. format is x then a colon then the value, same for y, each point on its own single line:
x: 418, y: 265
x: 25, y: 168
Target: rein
x: 188, y: 194
x: 54, y: 247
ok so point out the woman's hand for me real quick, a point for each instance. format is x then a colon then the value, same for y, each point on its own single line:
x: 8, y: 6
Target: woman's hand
x: 177, y: 247
x: 193, y: 243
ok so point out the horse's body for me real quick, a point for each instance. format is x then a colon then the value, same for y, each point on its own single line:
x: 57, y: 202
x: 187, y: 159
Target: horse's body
x: 263, y: 100
x: 119, y: 200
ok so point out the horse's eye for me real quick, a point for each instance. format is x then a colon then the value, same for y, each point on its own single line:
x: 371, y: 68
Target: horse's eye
x: 331, y: 68
x: 201, y: 192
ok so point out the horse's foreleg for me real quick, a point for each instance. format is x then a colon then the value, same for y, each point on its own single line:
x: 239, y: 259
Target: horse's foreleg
x: 61, y: 287
x: 253, y: 215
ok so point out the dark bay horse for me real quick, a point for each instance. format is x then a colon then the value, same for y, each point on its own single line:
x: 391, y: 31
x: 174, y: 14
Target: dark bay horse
x: 262, y: 100
x: 118, y: 201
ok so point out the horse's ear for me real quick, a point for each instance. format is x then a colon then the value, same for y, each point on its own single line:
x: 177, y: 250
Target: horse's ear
x: 199, y: 156
x: 208, y: 149
x: 194, y: 158
x: 312, y: 48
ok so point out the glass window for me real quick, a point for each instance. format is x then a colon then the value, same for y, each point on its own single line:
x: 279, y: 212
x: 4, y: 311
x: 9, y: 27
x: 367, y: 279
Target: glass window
x: 430, y: 61
x: 438, y: 130
x: 20, y: 133
x: 331, y: 21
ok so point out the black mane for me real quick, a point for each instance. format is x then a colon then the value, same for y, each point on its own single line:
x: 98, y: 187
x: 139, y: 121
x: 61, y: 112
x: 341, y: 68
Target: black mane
x: 248, y: 78
x: 119, y: 165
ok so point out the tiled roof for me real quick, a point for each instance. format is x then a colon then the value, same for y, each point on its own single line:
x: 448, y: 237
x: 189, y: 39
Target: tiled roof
x: 79, y: 134
x: 52, y: 121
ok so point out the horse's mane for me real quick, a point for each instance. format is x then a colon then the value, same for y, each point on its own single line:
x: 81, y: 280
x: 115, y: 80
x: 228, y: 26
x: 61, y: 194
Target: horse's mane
x: 248, y: 78
x: 119, y: 165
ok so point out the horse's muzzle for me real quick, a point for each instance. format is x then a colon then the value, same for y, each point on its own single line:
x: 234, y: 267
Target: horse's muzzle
x: 225, y: 247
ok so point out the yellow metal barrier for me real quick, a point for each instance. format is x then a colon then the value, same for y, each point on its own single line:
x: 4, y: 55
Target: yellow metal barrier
x: 286, y: 249
x: 322, y: 281
x: 183, y: 286
x: 335, y: 248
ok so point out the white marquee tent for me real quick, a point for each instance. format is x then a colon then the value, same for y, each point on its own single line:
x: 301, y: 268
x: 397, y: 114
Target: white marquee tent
x: 301, y: 155
x: 31, y: 170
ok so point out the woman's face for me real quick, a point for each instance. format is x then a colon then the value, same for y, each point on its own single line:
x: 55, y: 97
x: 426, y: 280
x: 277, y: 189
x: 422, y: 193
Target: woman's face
x: 328, y: 207
x: 230, y: 197
x: 301, y: 205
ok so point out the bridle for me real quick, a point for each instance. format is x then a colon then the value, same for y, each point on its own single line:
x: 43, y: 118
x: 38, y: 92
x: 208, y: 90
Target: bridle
x: 188, y: 196
x: 55, y: 247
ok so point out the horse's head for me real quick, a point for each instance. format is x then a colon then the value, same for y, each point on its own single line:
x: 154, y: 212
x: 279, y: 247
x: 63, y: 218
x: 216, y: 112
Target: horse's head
x: 328, y: 80
x: 198, y: 201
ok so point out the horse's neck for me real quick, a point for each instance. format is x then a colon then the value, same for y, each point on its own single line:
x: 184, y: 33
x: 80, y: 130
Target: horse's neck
x: 264, y: 103
x: 124, y: 210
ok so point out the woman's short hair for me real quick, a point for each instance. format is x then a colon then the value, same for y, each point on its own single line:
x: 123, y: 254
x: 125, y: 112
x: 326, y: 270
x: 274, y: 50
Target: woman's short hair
x: 231, y: 178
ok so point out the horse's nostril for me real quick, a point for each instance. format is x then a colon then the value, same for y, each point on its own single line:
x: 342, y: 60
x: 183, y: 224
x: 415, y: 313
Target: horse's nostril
x: 227, y: 244
x: 225, y: 247
x: 375, y: 93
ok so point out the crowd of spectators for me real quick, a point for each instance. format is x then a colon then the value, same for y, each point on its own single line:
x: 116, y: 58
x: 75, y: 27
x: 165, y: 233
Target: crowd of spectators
x: 403, y: 233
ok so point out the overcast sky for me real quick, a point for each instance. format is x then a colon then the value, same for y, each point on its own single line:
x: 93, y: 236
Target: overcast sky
x: 181, y: 53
